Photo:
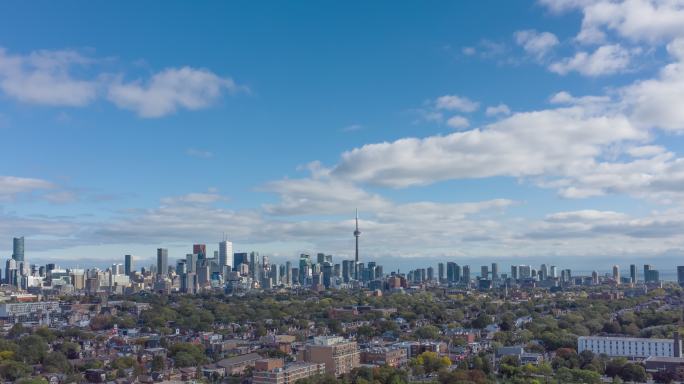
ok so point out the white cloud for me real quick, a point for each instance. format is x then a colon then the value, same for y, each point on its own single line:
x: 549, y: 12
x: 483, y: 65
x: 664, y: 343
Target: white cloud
x: 44, y: 77
x: 456, y: 103
x: 524, y: 144
x: 637, y: 20
x: 458, y: 122
x: 657, y: 102
x: 469, y: 51
x: 201, y: 153
x: 352, y: 128
x: 11, y: 186
x: 606, y: 60
x: 171, y: 89
x: 212, y: 196
x: 536, y: 43
x: 501, y: 109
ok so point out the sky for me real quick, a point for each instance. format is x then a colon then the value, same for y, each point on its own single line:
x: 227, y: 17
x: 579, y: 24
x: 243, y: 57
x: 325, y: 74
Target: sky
x: 517, y: 131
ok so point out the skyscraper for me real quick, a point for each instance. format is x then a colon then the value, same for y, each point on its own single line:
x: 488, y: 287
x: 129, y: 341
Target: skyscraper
x: 680, y: 275
x: 440, y: 272
x: 240, y: 258
x: 466, y: 274
x: 633, y: 273
x: 484, y: 272
x: 357, y: 233
x: 162, y: 261
x: 18, y: 249
x: 225, y: 251
x: 616, y: 273
x: 128, y: 264
x: 495, y: 271
x: 200, y: 250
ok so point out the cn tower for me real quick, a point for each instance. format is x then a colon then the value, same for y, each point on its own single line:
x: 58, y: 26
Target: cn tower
x: 357, y: 233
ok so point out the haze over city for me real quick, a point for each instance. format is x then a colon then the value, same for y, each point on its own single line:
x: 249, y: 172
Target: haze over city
x: 516, y: 132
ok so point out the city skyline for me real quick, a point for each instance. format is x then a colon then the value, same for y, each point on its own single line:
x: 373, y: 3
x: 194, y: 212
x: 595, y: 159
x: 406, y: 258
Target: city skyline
x: 533, y: 131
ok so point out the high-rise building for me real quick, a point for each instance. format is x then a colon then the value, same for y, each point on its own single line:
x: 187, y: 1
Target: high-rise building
x: 524, y: 271
x: 633, y: 273
x: 18, y: 249
x: 200, y: 250
x: 466, y: 274
x: 495, y: 271
x: 225, y: 252
x: 553, y: 272
x: 514, y: 272
x: 543, y: 272
x: 652, y: 276
x: 431, y: 273
x: 440, y: 272
x: 680, y: 275
x: 240, y: 258
x: 484, y: 272
x: 616, y: 273
x: 128, y: 264
x: 452, y: 276
x: 162, y: 261
x: 181, y: 267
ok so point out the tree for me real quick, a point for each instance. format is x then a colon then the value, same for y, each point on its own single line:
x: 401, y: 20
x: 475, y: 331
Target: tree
x: 427, y: 332
x: 33, y: 349
x: 56, y: 362
x: 13, y: 370
x: 633, y: 372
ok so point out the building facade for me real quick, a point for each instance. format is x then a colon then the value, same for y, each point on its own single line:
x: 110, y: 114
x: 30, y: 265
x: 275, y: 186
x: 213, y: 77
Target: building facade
x: 630, y: 347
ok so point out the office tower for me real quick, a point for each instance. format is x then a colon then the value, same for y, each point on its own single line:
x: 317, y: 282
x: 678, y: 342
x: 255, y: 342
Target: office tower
x: 275, y: 281
x: 451, y: 272
x: 288, y: 272
x: 225, y: 251
x: 128, y: 264
x: 357, y: 233
x: 524, y: 271
x: 633, y: 273
x: 162, y: 261
x: 553, y: 271
x: 680, y: 275
x: 181, y: 267
x: 616, y: 273
x: 11, y: 272
x: 543, y: 272
x: 200, y: 250
x: 495, y: 271
x: 191, y: 262
x: 466, y: 274
x: 347, y: 270
x: 484, y: 272
x: 361, y: 269
x: 650, y: 274
x: 18, y: 249
x: 430, y: 273
x: 594, y: 278
x: 117, y: 269
x: 240, y: 258
x: 295, y: 275
x: 254, y: 265
x: 647, y: 267
x: 514, y: 272
x: 337, y: 270
x: 568, y: 274
x: 320, y: 258
x: 304, y: 263
x: 327, y: 275
x: 440, y: 272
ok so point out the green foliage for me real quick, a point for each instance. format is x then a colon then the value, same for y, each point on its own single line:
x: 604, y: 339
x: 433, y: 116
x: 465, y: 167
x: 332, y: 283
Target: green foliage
x: 187, y: 354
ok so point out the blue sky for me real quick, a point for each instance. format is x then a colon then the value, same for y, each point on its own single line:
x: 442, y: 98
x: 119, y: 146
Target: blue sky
x: 539, y: 130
